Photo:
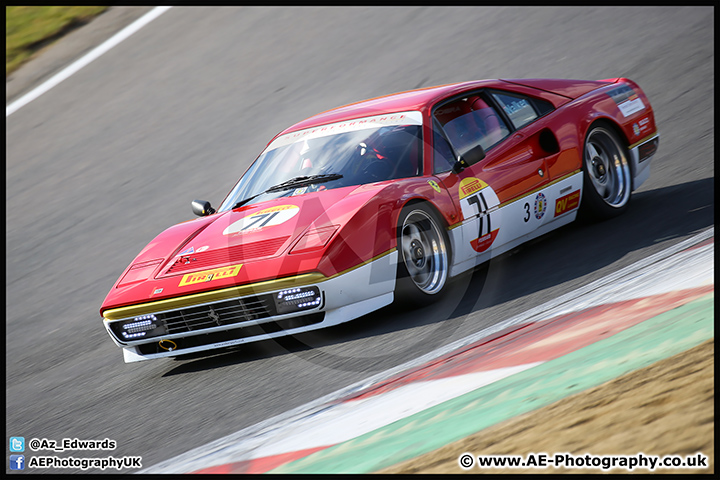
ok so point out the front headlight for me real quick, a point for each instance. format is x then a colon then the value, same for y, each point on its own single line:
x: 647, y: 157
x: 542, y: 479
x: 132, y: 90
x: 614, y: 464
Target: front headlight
x: 139, y: 272
x: 314, y: 239
x: 139, y: 327
x: 297, y: 299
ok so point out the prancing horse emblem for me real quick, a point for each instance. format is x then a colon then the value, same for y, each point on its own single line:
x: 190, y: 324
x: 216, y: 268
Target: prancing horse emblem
x: 214, y: 316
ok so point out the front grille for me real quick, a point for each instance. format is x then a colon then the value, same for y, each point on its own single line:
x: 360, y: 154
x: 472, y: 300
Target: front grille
x: 221, y: 313
x: 235, y: 254
x: 236, y: 333
x: 190, y: 319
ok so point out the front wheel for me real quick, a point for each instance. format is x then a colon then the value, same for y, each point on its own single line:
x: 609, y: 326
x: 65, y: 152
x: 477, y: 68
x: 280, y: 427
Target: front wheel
x: 423, y: 255
x: 606, y: 173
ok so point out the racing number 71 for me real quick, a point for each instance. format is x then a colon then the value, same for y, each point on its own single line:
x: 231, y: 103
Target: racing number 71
x: 482, y: 206
x: 266, y: 216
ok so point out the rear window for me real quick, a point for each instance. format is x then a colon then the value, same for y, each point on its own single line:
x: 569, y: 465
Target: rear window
x: 522, y: 110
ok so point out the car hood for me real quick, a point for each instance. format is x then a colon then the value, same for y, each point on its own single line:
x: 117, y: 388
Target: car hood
x: 249, y: 243
x: 254, y: 232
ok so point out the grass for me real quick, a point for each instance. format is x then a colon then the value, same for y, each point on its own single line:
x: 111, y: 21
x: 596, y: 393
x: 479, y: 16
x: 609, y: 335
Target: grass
x: 29, y: 29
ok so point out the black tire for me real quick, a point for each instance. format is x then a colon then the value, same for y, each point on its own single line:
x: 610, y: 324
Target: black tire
x: 423, y: 255
x: 607, y: 174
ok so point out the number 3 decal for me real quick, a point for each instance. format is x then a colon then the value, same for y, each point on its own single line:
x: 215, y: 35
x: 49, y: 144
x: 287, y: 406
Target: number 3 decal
x: 527, y: 212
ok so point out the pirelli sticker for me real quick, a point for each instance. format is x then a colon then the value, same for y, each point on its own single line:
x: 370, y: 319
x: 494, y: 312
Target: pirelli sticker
x: 210, y: 275
x: 471, y: 185
x: 567, y: 202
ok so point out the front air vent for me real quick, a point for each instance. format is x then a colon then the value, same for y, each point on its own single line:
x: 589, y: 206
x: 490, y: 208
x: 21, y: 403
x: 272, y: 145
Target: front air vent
x: 238, y: 253
x: 548, y: 142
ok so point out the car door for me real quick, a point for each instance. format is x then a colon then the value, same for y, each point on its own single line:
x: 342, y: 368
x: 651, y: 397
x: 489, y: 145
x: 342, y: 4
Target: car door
x: 501, y: 196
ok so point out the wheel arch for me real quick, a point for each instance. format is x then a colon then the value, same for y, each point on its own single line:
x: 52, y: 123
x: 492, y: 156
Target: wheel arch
x: 438, y: 216
x: 593, y: 205
x: 610, y: 123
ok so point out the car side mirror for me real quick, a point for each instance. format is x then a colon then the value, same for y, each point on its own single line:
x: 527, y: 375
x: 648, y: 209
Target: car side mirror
x: 202, y: 208
x: 471, y: 157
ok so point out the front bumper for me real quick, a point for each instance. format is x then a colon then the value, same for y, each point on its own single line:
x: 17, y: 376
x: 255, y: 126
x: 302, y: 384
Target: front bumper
x: 235, y: 316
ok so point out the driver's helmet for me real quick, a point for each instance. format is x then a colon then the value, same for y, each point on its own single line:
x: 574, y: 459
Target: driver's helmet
x: 399, y: 147
x: 391, y: 142
x: 385, y: 144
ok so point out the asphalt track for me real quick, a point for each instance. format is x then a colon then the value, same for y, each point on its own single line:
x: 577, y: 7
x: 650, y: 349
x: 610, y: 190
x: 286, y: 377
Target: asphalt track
x: 101, y: 163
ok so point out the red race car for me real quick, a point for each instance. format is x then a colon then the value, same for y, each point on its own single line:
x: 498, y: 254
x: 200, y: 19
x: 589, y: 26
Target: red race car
x: 394, y: 195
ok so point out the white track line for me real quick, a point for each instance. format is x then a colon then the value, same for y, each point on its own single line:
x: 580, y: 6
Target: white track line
x: 80, y: 63
x: 243, y: 444
x: 344, y: 421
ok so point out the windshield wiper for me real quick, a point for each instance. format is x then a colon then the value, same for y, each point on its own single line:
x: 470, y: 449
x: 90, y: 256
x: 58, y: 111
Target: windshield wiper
x: 296, y: 182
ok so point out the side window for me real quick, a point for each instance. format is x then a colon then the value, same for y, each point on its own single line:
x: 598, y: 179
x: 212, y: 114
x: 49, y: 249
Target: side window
x: 470, y: 121
x: 443, y: 159
x: 521, y: 110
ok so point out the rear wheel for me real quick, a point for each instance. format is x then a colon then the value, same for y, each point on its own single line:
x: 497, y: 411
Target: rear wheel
x: 423, y: 255
x: 606, y: 173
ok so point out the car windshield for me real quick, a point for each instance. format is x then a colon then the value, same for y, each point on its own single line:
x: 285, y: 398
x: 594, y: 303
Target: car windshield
x: 348, y: 153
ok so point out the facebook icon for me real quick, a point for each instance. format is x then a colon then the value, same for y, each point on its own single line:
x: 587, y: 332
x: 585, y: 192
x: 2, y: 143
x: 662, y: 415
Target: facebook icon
x: 17, y: 462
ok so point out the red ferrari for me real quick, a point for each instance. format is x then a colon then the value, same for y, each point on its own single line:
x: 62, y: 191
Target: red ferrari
x: 393, y: 196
